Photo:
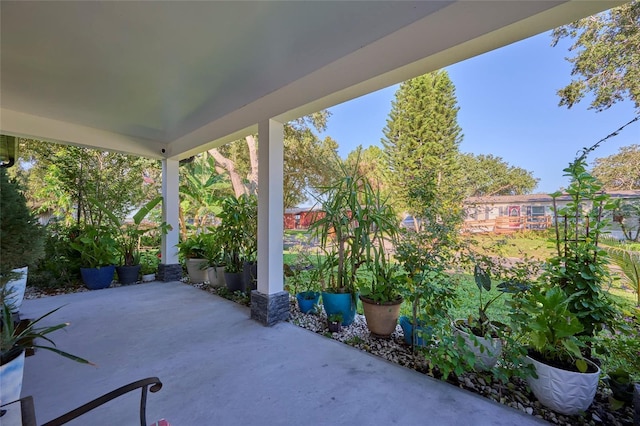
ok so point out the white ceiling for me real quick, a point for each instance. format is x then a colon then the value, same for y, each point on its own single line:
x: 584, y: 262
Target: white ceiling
x: 182, y: 76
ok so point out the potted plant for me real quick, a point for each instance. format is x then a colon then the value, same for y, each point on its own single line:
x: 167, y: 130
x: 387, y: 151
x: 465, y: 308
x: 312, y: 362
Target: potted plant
x: 381, y: 300
x: 303, y: 281
x: 354, y: 222
x: 21, y: 241
x: 426, y: 256
x: 215, y: 257
x: 149, y: 262
x: 564, y: 379
x: 128, y: 238
x: 238, y: 236
x: 580, y: 265
x: 334, y: 323
x: 621, y: 384
x: 98, y: 253
x: 481, y: 335
x: 193, y: 251
x: 14, y: 342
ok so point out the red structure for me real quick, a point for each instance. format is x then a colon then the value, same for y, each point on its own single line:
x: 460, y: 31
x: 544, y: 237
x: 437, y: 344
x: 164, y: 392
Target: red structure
x: 301, y: 218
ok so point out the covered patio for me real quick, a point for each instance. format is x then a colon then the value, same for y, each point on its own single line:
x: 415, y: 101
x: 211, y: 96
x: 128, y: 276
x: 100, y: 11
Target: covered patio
x: 220, y: 367
x: 168, y: 80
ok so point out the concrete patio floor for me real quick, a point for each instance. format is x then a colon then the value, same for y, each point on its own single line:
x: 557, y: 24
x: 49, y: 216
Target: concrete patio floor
x: 220, y: 367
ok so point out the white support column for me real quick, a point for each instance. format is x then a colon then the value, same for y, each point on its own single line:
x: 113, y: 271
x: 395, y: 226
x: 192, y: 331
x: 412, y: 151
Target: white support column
x: 270, y: 304
x: 170, y: 269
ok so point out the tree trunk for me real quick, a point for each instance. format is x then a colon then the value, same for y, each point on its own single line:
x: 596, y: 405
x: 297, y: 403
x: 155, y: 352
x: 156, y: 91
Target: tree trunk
x: 223, y: 163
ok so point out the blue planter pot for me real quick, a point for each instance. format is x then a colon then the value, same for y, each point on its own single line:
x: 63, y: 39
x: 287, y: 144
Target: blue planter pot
x: 97, y: 278
x: 307, y: 300
x: 340, y: 303
x: 423, y: 334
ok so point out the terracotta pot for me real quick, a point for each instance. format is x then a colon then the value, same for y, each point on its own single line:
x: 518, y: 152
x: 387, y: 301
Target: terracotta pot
x: 382, y: 318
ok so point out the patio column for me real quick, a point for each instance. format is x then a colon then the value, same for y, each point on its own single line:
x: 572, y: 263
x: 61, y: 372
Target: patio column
x: 170, y: 268
x: 269, y: 303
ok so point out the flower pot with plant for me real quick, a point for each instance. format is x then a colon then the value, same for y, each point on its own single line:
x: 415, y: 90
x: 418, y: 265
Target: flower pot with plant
x: 238, y: 236
x: 580, y: 265
x: 215, y: 257
x: 14, y: 341
x: 564, y: 379
x: 303, y: 280
x: 149, y: 262
x: 21, y: 241
x: 98, y: 253
x: 481, y: 335
x: 127, y: 236
x: 334, y: 323
x: 193, y: 251
x: 352, y: 230
x: 381, y: 301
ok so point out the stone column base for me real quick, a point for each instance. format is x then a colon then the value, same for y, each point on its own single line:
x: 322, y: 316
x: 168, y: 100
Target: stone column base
x: 269, y: 309
x: 172, y: 272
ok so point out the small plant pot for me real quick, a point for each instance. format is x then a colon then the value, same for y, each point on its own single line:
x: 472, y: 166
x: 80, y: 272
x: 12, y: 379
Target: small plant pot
x: 147, y: 278
x: 11, y: 379
x: 422, y: 334
x: 621, y: 391
x: 16, y: 288
x: 334, y: 326
x: 216, y: 276
x: 486, y: 351
x: 307, y: 301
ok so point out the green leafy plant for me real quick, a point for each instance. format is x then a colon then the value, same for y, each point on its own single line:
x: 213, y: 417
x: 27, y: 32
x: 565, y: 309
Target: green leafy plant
x: 544, y: 315
x: 356, y: 221
x: 128, y: 234
x: 21, y: 236
x: 14, y: 340
x: 239, y: 230
x: 514, y: 279
x: 213, y: 247
x: 96, y: 246
x: 335, y: 318
x: 194, y: 247
x: 628, y: 261
x: 149, y: 262
x: 580, y: 264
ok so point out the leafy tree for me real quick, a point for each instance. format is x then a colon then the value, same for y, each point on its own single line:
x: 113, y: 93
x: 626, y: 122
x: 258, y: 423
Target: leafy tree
x: 421, y: 141
x: 619, y: 171
x: 202, y: 191
x: 309, y: 162
x: 372, y: 164
x: 486, y: 175
x: 607, y: 58
x: 62, y: 178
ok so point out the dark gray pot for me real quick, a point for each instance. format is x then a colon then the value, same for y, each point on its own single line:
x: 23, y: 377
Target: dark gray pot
x: 128, y: 274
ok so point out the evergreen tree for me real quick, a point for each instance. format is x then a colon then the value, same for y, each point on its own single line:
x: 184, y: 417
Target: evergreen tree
x: 421, y: 143
x: 21, y: 237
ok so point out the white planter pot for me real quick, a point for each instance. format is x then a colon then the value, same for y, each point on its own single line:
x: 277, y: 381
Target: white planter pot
x: 196, y: 274
x: 147, y: 278
x: 16, y: 289
x: 486, y: 351
x: 216, y: 276
x: 566, y: 392
x: 11, y: 379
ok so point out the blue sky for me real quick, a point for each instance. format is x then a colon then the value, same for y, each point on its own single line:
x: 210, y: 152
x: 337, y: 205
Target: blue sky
x: 508, y: 108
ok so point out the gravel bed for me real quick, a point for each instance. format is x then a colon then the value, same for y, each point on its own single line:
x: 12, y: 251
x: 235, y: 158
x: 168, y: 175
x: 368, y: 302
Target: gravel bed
x: 514, y: 394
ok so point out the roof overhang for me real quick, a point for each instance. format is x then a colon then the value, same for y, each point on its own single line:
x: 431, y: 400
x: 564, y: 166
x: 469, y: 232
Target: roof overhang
x: 171, y: 79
